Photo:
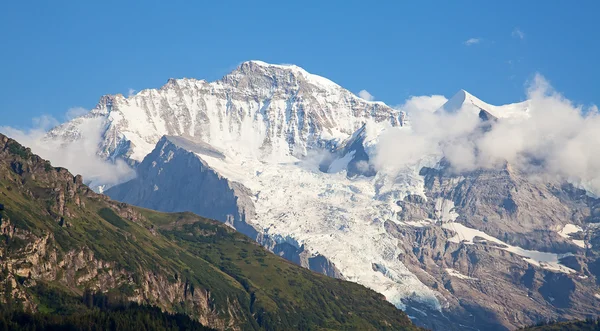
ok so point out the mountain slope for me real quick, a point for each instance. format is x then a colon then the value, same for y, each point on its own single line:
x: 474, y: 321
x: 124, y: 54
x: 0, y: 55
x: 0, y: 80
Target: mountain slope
x: 58, y: 233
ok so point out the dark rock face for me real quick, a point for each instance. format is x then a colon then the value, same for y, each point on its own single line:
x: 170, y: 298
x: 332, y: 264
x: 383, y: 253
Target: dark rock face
x: 300, y: 256
x: 354, y: 148
x: 174, y: 179
x: 488, y: 287
x: 511, y: 206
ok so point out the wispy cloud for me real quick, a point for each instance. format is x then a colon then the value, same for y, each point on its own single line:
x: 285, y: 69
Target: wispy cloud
x: 131, y: 92
x: 366, y: 95
x: 472, y: 41
x: 75, y: 112
x: 518, y: 33
x: 427, y: 103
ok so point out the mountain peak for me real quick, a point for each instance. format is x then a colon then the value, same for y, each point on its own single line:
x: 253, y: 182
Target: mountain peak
x: 257, y: 67
x: 265, y: 64
x: 272, y: 110
x: 463, y: 98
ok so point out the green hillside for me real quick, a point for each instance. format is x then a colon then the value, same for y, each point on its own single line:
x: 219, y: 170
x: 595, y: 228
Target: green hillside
x: 587, y: 325
x: 59, y: 239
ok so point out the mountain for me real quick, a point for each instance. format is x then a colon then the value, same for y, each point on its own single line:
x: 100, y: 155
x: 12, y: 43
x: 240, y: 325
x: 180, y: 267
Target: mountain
x: 490, y: 248
x: 463, y: 99
x: 61, y: 241
x: 273, y: 111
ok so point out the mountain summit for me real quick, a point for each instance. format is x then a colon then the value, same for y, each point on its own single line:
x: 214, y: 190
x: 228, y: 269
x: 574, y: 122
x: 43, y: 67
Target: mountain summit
x: 275, y: 111
x: 463, y: 99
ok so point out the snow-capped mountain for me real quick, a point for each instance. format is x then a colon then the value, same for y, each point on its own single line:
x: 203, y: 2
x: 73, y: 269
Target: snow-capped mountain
x: 464, y: 100
x: 272, y: 111
x: 287, y: 158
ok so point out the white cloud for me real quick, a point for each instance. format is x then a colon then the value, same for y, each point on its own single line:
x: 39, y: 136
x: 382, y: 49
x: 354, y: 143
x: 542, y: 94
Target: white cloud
x: 556, y: 141
x: 79, y: 156
x: 44, y: 122
x: 131, y: 92
x: 75, y: 112
x: 366, y: 95
x: 428, y: 103
x: 472, y: 41
x: 518, y: 33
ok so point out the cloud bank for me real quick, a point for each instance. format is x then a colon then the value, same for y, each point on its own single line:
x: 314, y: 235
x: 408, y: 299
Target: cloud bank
x: 78, y: 157
x: 559, y: 140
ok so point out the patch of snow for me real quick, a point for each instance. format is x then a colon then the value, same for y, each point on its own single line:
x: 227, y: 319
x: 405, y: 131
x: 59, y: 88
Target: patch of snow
x: 457, y: 274
x: 444, y: 210
x: 549, y: 261
x: 569, y: 229
x: 341, y: 164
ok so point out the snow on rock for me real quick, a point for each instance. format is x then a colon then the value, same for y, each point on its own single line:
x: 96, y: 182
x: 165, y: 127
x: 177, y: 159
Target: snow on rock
x: 569, y: 229
x: 444, y: 210
x: 457, y: 274
x: 262, y: 110
x: 464, y: 99
x: 550, y: 261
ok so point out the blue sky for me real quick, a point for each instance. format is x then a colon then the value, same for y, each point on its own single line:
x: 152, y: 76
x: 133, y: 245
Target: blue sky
x: 55, y: 55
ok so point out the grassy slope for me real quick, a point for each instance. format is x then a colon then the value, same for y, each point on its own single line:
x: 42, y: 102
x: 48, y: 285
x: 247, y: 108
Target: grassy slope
x: 133, y: 317
x: 589, y: 325
x: 272, y: 293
